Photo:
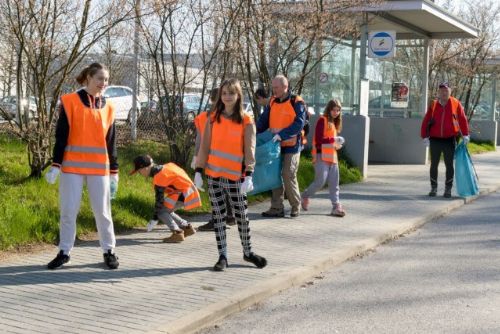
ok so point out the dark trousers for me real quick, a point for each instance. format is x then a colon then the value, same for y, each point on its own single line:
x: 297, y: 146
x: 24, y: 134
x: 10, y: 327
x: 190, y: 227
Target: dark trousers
x: 447, y: 147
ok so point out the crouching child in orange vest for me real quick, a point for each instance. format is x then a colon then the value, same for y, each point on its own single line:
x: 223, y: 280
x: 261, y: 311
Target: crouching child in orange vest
x: 324, y: 152
x: 227, y: 154
x: 173, y: 189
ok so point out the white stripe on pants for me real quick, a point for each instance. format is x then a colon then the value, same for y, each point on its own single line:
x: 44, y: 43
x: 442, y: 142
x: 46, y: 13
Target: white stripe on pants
x: 70, y: 196
x: 324, y: 172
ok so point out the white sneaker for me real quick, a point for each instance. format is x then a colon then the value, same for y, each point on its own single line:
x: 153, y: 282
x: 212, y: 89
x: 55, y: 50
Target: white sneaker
x: 152, y: 223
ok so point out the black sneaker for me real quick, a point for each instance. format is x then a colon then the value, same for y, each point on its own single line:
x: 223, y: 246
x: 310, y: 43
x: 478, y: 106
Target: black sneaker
x: 58, y: 261
x: 447, y: 193
x: 206, y: 227
x: 259, y: 261
x: 111, y: 260
x: 274, y: 213
x: 209, y: 227
x: 221, y: 264
x: 433, y: 192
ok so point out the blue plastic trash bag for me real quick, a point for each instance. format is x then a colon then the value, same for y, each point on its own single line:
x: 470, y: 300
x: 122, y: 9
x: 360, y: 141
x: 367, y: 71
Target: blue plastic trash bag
x: 465, y: 175
x: 267, y: 173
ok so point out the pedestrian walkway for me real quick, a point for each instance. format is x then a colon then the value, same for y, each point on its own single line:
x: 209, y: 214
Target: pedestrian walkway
x: 169, y: 288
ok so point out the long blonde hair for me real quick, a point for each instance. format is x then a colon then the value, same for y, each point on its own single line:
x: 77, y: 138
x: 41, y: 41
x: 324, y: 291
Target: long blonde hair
x: 233, y: 85
x: 337, y: 121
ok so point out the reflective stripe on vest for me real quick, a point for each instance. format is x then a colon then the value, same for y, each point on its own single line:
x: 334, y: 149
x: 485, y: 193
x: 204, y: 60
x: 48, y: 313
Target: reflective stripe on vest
x: 226, y: 155
x: 170, y: 202
x: 328, y: 151
x: 454, y: 112
x: 173, y: 177
x: 86, y: 151
x: 84, y: 165
x: 281, y: 116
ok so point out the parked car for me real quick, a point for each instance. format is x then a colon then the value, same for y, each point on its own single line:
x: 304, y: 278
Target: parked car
x: 122, y: 97
x: 188, y: 106
x: 9, y: 106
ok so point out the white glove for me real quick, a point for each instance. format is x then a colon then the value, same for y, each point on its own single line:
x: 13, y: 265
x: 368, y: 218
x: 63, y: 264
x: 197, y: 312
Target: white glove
x: 52, y: 175
x: 193, y: 163
x: 426, y: 142
x: 152, y: 223
x: 276, y: 138
x: 466, y: 139
x: 339, y: 140
x: 113, y: 184
x: 198, y: 181
x: 247, y: 185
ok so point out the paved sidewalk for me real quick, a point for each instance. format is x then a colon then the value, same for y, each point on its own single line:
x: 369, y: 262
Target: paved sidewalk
x: 165, y: 288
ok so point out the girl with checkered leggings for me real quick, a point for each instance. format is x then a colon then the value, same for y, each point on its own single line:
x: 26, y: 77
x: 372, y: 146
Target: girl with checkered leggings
x: 227, y: 155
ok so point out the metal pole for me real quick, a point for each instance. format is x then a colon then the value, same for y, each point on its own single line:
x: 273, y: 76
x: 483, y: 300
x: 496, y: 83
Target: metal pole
x: 362, y: 56
x: 493, y: 97
x: 135, y: 87
x: 425, y: 78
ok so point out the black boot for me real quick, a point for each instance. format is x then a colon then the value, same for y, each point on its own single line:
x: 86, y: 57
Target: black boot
x: 259, y: 261
x: 221, y: 264
x: 447, y: 192
x: 433, y: 192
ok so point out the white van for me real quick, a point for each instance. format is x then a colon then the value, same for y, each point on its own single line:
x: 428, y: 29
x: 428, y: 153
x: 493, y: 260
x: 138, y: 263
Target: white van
x: 121, y: 97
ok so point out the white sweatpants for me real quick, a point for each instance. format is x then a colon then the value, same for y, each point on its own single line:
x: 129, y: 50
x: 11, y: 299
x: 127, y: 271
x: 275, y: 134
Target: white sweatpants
x: 70, y: 196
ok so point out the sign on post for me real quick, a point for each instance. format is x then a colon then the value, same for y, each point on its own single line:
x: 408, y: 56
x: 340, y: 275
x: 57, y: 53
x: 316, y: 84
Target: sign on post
x: 399, y: 95
x: 381, y: 44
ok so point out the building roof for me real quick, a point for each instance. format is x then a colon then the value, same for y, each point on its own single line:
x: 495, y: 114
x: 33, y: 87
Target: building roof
x: 416, y: 18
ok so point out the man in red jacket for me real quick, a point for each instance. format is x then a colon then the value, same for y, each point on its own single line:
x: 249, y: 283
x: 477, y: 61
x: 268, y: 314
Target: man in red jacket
x: 444, y: 121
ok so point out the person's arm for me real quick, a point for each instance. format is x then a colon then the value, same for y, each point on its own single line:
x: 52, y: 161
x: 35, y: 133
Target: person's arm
x: 202, y: 156
x: 62, y: 134
x: 462, y: 120
x: 263, y: 120
x: 112, y: 151
x: 298, y: 123
x: 249, y: 149
x: 197, y: 143
x: 159, y: 195
x: 424, y: 129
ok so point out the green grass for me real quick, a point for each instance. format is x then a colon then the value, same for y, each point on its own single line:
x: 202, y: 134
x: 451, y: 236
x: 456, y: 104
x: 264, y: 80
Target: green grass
x: 29, y: 209
x: 476, y: 147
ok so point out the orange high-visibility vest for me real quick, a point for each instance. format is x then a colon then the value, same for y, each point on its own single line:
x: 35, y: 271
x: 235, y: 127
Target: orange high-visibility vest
x: 454, y: 112
x: 225, y: 158
x: 328, y: 151
x: 200, y: 122
x: 176, y: 182
x: 282, y: 116
x: 86, y: 150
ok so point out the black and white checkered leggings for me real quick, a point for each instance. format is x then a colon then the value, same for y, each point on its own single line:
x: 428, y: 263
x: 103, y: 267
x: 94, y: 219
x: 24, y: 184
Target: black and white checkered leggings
x: 217, y: 188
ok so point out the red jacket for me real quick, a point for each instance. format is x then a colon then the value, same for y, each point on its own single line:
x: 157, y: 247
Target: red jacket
x: 443, y: 121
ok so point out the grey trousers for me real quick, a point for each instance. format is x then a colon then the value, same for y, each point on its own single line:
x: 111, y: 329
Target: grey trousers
x: 290, y: 186
x: 171, y: 219
x: 324, y: 172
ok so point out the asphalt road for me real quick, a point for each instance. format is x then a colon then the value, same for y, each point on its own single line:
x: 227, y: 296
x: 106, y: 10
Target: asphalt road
x: 443, y: 278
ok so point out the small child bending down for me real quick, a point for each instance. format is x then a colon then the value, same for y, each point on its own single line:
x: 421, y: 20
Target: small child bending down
x: 173, y: 189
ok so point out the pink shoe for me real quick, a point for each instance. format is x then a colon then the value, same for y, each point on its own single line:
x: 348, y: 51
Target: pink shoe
x: 305, y: 203
x: 338, y: 210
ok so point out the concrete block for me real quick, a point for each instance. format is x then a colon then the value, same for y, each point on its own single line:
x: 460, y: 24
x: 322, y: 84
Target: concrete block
x: 396, y: 141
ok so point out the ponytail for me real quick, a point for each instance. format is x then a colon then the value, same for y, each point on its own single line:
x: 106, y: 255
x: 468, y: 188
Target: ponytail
x: 90, y: 70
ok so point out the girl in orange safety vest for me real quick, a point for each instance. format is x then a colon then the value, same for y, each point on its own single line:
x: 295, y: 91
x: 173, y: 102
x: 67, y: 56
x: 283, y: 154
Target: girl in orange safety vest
x: 199, y: 123
x: 85, y: 153
x: 227, y: 154
x: 326, y: 142
x: 173, y: 189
